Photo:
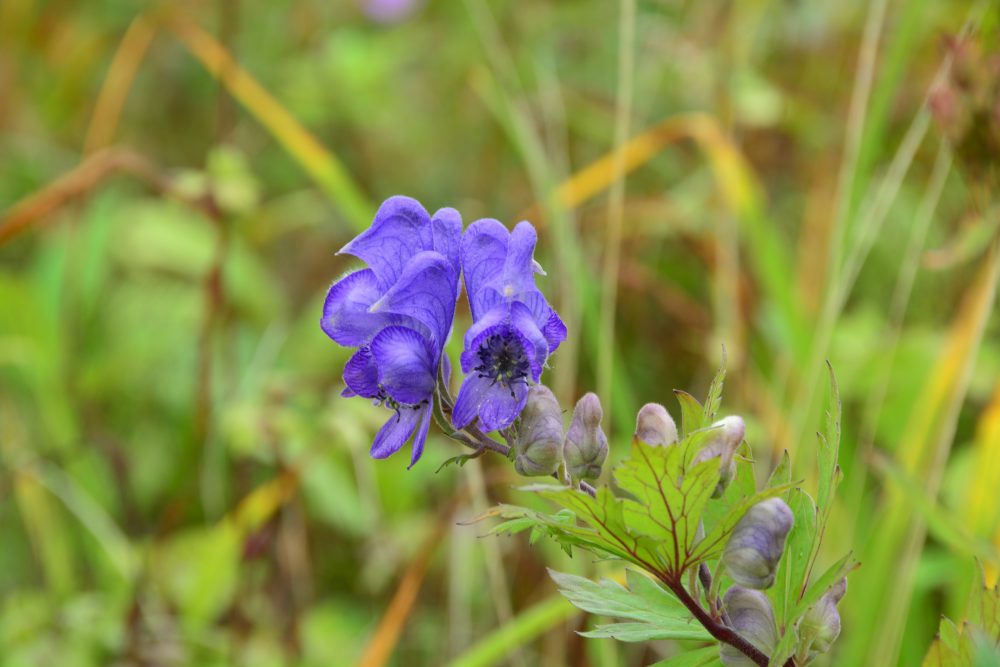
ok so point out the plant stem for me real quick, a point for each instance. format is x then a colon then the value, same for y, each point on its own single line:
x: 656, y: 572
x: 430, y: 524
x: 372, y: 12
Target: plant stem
x: 472, y: 436
x: 720, y: 632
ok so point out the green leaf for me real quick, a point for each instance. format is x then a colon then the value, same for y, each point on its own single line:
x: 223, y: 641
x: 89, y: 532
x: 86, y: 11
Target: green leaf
x: 715, y: 539
x: 829, y: 447
x: 794, y: 565
x: 702, y: 657
x: 606, y: 517
x: 561, y: 526
x: 459, y: 460
x: 657, y: 614
x: 826, y: 581
x: 642, y: 632
x: 984, y: 609
x: 714, y: 398
x: 973, y: 643
x: 671, y: 498
x: 198, y: 570
x: 692, y: 413
x: 782, y: 473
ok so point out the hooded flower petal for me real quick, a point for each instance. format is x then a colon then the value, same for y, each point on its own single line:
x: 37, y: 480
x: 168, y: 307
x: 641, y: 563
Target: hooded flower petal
x: 396, y: 431
x: 345, y: 312
x: 519, y: 267
x: 425, y: 294
x: 400, y: 230
x: 484, y: 254
x: 405, y: 363
x: 446, y: 226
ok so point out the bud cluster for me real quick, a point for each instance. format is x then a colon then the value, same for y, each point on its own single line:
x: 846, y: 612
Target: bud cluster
x: 540, y: 446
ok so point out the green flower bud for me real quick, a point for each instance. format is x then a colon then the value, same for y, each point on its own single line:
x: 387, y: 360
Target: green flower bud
x: 751, y: 615
x: 655, y: 426
x: 822, y: 622
x: 538, y: 446
x: 585, y: 447
x: 757, y: 542
x: 727, y: 438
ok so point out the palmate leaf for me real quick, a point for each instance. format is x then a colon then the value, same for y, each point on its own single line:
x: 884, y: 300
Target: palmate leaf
x: 561, y: 526
x: 655, y: 613
x: 605, y: 516
x: 975, y: 643
x: 671, y: 496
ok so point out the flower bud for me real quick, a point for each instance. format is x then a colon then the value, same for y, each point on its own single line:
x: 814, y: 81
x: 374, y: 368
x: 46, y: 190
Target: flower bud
x: 727, y: 439
x: 751, y: 615
x: 755, y: 547
x: 538, y: 447
x: 822, y: 621
x: 586, y: 447
x: 654, y: 426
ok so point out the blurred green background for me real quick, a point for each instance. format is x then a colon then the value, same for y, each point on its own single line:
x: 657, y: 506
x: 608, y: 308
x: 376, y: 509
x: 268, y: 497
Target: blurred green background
x: 180, y: 483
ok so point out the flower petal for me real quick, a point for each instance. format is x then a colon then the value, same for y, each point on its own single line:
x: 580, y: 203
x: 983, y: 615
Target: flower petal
x: 345, y: 312
x: 545, y: 317
x: 519, y: 269
x: 421, y: 436
x: 496, y: 406
x: 361, y: 375
x: 500, y: 406
x: 537, y: 348
x: 425, y: 293
x: 446, y: 226
x: 400, y: 230
x: 395, y: 432
x: 470, y: 395
x: 484, y: 252
x: 405, y: 363
x: 554, y: 331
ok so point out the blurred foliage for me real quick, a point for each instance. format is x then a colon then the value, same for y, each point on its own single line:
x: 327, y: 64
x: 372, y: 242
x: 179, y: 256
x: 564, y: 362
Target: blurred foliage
x: 179, y: 483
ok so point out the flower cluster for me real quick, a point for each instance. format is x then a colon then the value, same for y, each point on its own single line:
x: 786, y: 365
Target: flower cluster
x: 398, y: 314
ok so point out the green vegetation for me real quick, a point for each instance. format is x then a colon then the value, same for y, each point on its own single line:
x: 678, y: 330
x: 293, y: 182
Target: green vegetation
x: 180, y: 483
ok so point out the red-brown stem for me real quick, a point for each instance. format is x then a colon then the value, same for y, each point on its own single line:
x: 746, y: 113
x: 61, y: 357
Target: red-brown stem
x: 720, y: 631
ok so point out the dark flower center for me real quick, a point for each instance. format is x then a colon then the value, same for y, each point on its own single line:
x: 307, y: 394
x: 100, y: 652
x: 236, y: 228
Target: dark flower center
x: 502, y: 359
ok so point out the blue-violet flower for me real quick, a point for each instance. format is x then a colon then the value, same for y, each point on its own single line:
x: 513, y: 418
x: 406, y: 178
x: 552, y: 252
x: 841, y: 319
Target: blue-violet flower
x: 398, y: 313
x: 514, y: 329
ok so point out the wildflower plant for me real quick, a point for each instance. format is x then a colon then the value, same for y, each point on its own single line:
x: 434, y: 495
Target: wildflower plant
x: 709, y: 557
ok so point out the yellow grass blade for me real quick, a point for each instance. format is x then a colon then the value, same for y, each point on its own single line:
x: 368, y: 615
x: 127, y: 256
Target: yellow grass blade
x: 740, y: 192
x: 322, y: 165
x: 731, y: 169
x: 117, y: 83
x: 262, y: 503
x: 892, y: 555
x: 981, y: 511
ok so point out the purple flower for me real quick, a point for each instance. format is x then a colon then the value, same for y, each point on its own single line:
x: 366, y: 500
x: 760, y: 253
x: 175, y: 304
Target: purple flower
x: 398, y: 313
x: 514, y: 330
